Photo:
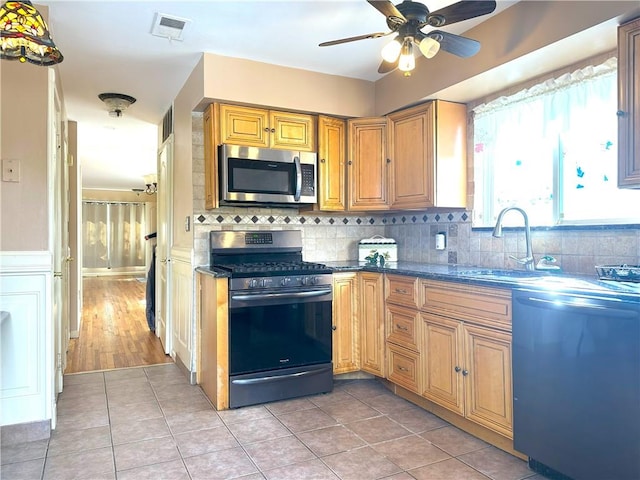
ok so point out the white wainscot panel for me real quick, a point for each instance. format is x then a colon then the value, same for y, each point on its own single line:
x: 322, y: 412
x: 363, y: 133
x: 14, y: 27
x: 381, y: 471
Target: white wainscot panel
x: 22, y: 348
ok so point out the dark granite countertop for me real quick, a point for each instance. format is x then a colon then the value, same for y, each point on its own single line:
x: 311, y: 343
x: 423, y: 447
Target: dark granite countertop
x: 482, y: 276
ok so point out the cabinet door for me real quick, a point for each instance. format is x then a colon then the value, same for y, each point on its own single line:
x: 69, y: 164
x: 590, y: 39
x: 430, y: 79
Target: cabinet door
x: 629, y: 104
x: 488, y: 389
x: 367, y: 167
x: 292, y: 131
x: 403, y: 367
x: 210, y: 158
x: 402, y: 326
x: 345, y: 323
x: 442, y: 362
x: 412, y: 157
x: 372, y: 323
x: 244, y: 126
x: 332, y: 173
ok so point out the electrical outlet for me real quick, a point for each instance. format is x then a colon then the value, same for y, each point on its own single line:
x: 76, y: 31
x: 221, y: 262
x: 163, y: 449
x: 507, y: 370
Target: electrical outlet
x: 10, y: 170
x: 187, y: 223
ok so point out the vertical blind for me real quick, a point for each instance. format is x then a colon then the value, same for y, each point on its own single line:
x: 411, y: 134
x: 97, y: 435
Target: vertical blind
x: 113, y: 234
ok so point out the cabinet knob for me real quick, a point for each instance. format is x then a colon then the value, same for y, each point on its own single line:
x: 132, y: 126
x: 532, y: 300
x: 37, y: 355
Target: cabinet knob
x: 620, y: 113
x: 457, y: 369
x: 349, y: 162
x: 465, y: 372
x: 388, y: 160
x: 322, y: 160
x: 333, y: 327
x: 273, y: 130
x: 266, y: 129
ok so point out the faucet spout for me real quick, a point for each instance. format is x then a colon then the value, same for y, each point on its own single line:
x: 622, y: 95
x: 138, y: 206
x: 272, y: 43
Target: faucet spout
x: 527, y: 261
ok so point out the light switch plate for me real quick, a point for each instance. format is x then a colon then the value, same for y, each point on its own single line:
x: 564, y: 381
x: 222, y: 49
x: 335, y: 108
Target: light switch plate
x: 10, y: 170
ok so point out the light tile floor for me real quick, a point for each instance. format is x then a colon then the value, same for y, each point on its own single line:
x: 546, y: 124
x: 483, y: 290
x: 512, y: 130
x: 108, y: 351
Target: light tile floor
x: 140, y: 423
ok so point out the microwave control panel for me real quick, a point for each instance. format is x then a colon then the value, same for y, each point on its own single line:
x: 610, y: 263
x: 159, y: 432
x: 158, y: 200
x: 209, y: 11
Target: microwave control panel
x: 308, y: 180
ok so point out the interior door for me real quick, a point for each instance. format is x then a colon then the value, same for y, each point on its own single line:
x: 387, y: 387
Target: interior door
x: 163, y: 247
x: 59, y: 206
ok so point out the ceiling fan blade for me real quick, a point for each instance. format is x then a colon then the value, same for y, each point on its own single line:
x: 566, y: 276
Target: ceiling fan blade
x: 386, y: 67
x: 460, y: 11
x: 353, y: 39
x: 460, y: 46
x: 388, y: 9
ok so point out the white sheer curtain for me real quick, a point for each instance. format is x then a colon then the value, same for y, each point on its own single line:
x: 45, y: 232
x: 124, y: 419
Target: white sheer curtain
x: 550, y: 149
x: 113, y: 235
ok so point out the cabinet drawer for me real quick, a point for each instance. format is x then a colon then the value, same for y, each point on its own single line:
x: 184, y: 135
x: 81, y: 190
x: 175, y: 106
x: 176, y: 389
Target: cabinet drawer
x: 401, y: 290
x: 402, y: 324
x: 402, y: 366
x: 481, y: 305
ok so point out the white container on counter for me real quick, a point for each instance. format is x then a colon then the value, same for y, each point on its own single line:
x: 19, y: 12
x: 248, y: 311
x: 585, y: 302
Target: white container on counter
x: 378, y: 244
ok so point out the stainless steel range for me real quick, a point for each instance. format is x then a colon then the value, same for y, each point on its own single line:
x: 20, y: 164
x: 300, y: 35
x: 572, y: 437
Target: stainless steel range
x: 279, y: 316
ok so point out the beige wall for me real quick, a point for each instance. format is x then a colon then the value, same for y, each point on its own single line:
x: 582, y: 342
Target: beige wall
x: 23, y: 137
x: 244, y: 81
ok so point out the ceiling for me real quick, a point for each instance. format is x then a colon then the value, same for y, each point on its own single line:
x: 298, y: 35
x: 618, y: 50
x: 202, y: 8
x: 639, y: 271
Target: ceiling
x: 108, y: 47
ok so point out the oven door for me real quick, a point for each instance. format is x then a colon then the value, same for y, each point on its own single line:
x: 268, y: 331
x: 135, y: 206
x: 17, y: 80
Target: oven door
x: 270, y: 330
x: 279, y: 345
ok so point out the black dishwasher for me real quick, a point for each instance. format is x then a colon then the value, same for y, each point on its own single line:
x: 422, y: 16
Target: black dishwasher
x: 576, y: 384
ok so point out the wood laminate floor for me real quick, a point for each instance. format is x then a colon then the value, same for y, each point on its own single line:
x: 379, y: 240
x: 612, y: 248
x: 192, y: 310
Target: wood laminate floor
x: 114, y: 331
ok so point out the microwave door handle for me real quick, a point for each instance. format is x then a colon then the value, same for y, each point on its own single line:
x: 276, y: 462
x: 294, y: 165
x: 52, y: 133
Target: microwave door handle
x: 298, y: 192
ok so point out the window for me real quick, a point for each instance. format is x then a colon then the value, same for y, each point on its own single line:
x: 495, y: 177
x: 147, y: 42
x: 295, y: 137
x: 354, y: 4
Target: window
x: 552, y: 150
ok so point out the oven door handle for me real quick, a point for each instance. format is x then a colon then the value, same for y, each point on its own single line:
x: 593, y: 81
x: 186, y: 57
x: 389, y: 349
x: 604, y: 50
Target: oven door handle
x: 298, y: 192
x: 271, y: 378
x: 267, y: 296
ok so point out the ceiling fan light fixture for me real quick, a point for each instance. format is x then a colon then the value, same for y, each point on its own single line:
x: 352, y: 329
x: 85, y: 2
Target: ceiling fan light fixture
x: 429, y: 47
x: 407, y: 61
x: 391, y: 50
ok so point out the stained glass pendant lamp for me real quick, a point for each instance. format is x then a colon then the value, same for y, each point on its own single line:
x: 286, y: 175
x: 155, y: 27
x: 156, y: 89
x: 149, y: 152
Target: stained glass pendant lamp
x: 24, y: 35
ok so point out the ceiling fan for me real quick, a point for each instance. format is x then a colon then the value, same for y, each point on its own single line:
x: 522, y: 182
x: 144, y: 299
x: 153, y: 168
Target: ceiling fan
x: 407, y: 20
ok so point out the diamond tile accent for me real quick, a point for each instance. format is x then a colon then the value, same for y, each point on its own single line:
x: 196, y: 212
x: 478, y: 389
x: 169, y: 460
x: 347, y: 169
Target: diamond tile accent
x: 437, y: 217
x: 345, y: 220
x: 271, y: 219
x: 450, y: 216
x: 220, y: 218
x: 465, y: 216
x: 287, y: 220
x: 317, y: 220
x: 237, y: 219
x: 413, y: 219
x: 201, y: 218
x: 425, y: 218
x: 332, y: 221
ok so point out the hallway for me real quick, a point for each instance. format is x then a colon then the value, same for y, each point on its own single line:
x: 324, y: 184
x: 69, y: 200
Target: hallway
x: 114, y: 331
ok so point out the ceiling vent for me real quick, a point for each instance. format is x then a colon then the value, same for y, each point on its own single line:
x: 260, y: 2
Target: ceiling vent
x: 168, y: 26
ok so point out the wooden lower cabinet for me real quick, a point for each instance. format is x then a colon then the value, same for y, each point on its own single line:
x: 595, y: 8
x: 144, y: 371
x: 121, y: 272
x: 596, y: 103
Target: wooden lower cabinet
x: 346, y: 356
x: 403, y: 367
x: 213, y: 332
x: 467, y: 369
x: 371, y: 313
x: 488, y: 388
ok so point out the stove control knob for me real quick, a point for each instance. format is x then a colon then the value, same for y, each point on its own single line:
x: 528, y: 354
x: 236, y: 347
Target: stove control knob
x: 253, y: 283
x: 310, y: 280
x: 285, y: 281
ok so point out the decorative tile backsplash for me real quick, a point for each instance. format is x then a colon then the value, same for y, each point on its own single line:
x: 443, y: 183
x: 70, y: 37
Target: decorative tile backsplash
x: 335, y: 237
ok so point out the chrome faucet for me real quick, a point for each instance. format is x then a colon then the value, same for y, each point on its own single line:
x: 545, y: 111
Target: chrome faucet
x: 497, y: 232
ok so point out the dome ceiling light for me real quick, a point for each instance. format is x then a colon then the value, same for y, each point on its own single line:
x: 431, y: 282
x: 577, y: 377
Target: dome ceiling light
x: 116, y: 103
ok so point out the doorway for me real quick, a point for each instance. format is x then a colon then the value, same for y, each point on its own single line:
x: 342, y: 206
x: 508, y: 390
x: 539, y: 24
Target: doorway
x: 114, y: 331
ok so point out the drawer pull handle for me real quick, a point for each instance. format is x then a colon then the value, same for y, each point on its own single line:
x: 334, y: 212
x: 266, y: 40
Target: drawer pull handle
x: 402, y: 328
x: 403, y: 369
x: 401, y: 290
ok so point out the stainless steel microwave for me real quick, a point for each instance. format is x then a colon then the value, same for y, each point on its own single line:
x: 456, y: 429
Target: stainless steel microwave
x: 252, y: 175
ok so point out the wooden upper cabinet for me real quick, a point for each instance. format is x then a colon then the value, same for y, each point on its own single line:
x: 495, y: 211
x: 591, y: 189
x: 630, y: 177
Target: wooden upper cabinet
x: 427, y: 146
x: 629, y: 104
x: 367, y: 170
x: 332, y: 176
x: 210, y: 158
x: 258, y: 127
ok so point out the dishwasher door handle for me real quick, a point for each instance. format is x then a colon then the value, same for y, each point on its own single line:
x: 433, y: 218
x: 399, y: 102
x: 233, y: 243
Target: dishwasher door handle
x: 578, y: 303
